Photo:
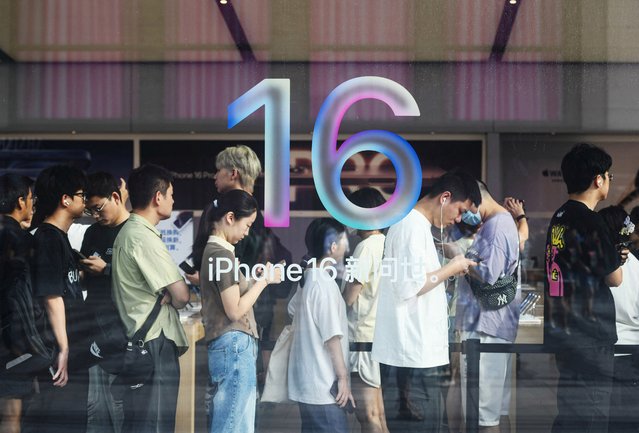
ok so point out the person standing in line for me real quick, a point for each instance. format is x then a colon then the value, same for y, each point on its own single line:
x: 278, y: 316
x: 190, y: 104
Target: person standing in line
x: 582, y: 264
x: 142, y: 271
x: 16, y: 249
x: 227, y: 312
x: 496, y: 249
x: 318, y: 378
x: 105, y: 204
x: 361, y: 295
x: 238, y: 167
x: 634, y: 238
x: 624, y: 400
x: 411, y: 331
x: 60, y: 405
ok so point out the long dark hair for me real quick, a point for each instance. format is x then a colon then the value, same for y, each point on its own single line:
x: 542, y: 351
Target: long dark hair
x: 238, y: 201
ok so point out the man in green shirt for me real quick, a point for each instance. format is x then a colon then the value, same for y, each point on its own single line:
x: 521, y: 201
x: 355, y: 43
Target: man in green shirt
x: 143, y: 270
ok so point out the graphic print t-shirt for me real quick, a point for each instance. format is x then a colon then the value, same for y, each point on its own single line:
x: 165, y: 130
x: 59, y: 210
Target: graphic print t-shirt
x: 55, y: 272
x: 579, y: 307
x: 98, y: 241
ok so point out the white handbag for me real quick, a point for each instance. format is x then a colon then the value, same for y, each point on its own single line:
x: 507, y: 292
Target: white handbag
x: 276, y: 384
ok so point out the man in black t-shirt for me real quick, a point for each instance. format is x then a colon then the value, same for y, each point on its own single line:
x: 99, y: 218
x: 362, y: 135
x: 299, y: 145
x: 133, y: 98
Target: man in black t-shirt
x: 61, y: 404
x: 105, y: 204
x: 582, y: 264
x: 16, y: 207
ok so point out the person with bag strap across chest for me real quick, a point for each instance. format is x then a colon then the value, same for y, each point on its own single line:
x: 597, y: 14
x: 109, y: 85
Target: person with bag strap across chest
x: 142, y: 269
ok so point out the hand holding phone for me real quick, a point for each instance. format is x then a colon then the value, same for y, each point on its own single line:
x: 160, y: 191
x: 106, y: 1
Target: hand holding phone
x: 79, y: 256
x: 187, y: 267
x: 349, y: 405
x: 623, y: 253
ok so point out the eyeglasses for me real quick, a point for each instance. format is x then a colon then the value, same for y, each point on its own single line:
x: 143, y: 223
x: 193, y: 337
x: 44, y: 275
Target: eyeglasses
x: 96, y: 211
x: 603, y: 176
x: 81, y: 194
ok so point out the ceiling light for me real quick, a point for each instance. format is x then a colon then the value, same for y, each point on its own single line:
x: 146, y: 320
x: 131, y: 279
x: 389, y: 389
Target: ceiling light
x: 512, y: 2
x: 223, y: 2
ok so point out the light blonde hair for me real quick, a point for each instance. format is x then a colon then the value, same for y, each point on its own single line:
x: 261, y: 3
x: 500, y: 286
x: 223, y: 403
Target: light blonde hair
x: 244, y: 160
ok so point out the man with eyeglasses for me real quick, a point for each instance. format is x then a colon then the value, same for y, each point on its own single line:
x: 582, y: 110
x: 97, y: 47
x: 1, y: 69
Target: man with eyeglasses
x: 104, y: 203
x: 582, y: 264
x: 60, y: 406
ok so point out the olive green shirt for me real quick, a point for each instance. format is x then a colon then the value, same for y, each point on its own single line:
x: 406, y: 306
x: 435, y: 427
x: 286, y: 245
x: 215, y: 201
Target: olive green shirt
x: 141, y: 269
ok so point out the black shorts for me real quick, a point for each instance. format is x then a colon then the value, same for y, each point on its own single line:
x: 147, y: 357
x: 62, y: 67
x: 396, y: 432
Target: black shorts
x: 12, y: 386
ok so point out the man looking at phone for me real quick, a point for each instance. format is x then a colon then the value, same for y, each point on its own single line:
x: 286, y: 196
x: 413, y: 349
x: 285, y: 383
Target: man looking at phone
x: 411, y: 331
x: 582, y: 264
x: 496, y: 249
x: 143, y: 270
x: 105, y: 204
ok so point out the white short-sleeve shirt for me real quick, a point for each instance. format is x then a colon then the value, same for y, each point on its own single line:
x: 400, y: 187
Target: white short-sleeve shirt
x: 627, y: 303
x: 319, y: 315
x: 411, y: 331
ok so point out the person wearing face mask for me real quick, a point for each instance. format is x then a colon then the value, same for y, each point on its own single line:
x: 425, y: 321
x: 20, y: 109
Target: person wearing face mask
x: 496, y: 248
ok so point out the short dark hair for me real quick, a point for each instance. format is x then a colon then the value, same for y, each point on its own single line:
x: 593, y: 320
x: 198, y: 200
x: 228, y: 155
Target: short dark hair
x: 367, y: 197
x: 614, y: 217
x: 582, y: 164
x: 12, y: 188
x: 318, y: 232
x: 102, y: 184
x: 461, y: 185
x: 145, y: 181
x: 54, y: 182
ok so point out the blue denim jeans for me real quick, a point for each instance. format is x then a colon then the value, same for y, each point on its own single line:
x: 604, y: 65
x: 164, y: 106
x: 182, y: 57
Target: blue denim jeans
x: 233, y: 383
x: 323, y: 418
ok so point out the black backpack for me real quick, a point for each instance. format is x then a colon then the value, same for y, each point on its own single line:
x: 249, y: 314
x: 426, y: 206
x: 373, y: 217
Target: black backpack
x: 23, y: 350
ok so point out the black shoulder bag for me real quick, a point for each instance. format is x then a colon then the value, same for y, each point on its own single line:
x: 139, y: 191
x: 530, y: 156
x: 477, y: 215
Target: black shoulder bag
x: 495, y: 296
x: 137, y: 362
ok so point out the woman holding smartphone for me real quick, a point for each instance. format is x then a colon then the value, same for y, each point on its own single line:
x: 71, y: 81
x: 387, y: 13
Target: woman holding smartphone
x: 227, y: 312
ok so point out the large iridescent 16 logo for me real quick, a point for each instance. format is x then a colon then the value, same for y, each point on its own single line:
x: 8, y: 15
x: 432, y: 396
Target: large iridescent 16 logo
x: 327, y: 159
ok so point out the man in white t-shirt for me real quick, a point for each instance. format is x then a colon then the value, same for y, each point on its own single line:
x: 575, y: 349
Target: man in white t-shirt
x: 411, y: 333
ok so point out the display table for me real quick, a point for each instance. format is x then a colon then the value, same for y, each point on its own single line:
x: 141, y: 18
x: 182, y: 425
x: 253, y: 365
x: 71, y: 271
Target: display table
x: 185, y: 414
x: 530, y: 331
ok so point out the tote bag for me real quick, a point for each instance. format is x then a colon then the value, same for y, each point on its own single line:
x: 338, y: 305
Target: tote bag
x: 276, y: 384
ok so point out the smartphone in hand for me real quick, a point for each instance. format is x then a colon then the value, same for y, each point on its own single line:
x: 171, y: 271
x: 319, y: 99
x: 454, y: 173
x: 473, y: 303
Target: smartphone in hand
x: 349, y: 406
x: 79, y: 256
x: 187, y: 267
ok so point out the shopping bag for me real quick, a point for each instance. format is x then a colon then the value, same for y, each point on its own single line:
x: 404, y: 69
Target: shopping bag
x: 276, y: 384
